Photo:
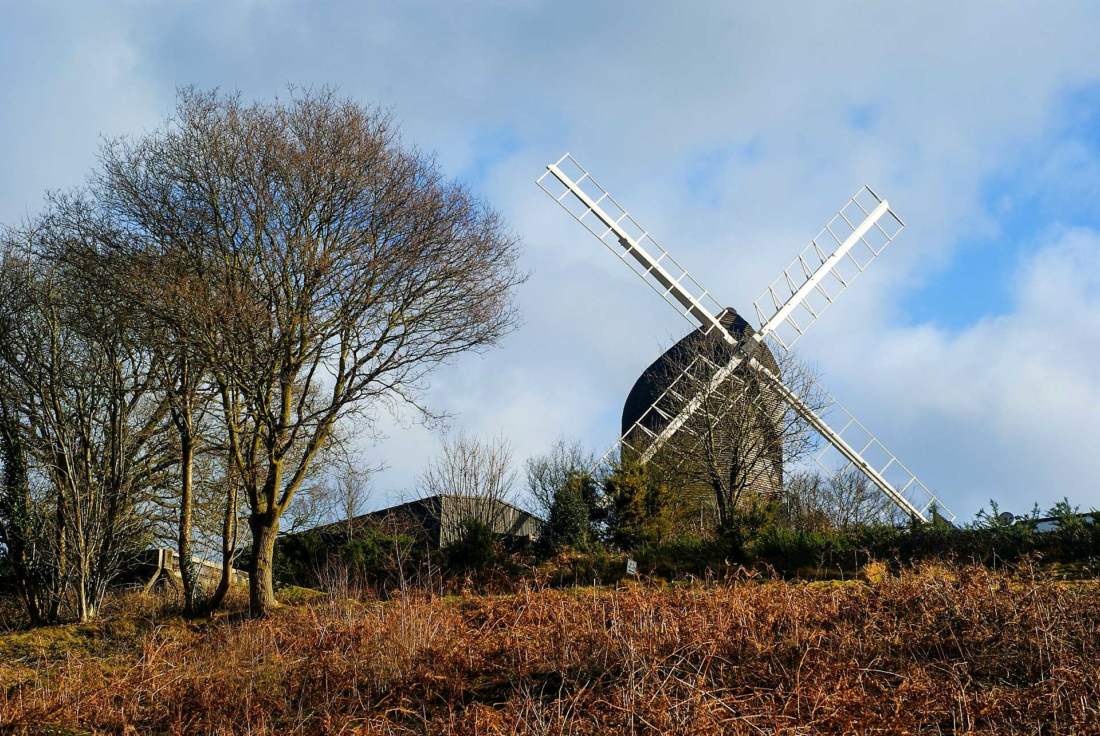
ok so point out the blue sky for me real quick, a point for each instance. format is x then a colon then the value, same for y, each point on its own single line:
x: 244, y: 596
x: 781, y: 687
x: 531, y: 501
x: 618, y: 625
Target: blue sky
x: 972, y: 346
x: 977, y: 280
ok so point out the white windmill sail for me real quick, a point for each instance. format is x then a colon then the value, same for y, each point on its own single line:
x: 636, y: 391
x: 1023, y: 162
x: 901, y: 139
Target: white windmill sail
x: 857, y: 234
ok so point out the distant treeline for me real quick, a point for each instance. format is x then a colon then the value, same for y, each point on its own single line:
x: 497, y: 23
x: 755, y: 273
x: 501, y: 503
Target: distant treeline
x: 381, y: 559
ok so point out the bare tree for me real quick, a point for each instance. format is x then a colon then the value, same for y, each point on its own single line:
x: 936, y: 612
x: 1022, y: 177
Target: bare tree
x: 803, y: 503
x: 219, y: 491
x: 842, y: 500
x: 351, y: 491
x: 92, y: 424
x: 25, y: 512
x: 183, y: 381
x: 323, y: 270
x: 145, y: 274
x: 109, y: 258
x: 547, y: 474
x: 738, y: 440
x: 478, y: 479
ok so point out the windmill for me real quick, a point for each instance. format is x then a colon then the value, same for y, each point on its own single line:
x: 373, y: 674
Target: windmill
x: 842, y: 249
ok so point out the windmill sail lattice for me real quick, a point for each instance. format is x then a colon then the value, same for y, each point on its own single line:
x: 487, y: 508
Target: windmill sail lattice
x: 842, y: 250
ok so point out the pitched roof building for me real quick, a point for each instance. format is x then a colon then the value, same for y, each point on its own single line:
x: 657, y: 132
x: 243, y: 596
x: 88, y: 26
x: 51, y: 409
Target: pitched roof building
x: 440, y: 518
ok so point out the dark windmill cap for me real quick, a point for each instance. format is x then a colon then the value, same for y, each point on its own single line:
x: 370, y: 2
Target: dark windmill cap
x: 655, y: 379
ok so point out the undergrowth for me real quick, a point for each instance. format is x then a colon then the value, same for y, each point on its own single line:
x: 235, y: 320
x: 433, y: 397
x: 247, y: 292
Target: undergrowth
x: 932, y: 649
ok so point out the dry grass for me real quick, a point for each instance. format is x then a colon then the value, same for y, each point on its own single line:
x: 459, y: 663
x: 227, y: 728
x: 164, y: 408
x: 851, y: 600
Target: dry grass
x: 935, y: 650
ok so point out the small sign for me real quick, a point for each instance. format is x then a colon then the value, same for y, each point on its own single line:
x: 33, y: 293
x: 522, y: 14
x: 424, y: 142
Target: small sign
x: 631, y: 567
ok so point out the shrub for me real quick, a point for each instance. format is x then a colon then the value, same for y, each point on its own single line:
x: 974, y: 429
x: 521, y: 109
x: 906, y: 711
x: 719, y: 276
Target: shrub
x: 684, y: 556
x: 593, y: 567
x: 368, y: 555
x: 788, y: 549
x: 642, y: 509
x: 476, y: 548
x: 572, y: 515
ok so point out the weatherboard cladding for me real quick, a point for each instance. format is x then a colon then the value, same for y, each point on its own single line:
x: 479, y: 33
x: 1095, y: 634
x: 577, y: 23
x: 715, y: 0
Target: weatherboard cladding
x: 656, y: 378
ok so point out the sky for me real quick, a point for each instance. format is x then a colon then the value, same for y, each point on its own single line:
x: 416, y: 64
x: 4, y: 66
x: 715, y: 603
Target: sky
x: 732, y: 132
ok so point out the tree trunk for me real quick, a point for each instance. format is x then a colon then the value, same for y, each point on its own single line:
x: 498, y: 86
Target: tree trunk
x: 261, y: 591
x: 187, y: 570
x: 720, y: 500
x: 62, y: 559
x: 229, y: 543
x: 84, y: 608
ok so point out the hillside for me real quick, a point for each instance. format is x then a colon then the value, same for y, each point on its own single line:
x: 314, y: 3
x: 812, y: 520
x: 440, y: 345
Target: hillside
x: 932, y: 650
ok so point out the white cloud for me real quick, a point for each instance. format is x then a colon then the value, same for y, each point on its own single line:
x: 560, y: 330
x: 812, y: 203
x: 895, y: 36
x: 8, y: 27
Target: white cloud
x: 925, y: 103
x: 1006, y: 408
